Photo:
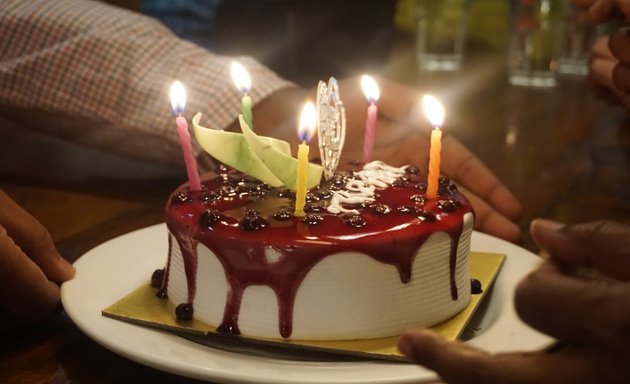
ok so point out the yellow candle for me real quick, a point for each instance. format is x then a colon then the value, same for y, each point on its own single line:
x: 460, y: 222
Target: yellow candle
x: 434, y: 163
x: 434, y: 112
x: 306, y: 128
x: 300, y: 182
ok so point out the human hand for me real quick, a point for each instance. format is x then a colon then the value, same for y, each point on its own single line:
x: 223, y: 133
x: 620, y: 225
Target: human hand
x: 589, y: 313
x: 401, y: 140
x: 605, y: 10
x: 31, y: 269
x: 403, y: 137
x: 610, y: 67
x: 610, y: 55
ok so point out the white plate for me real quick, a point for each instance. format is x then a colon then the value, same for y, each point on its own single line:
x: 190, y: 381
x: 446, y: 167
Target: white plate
x: 113, y: 269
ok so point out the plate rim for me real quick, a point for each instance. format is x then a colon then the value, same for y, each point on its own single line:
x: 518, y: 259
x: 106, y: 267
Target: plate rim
x: 518, y: 262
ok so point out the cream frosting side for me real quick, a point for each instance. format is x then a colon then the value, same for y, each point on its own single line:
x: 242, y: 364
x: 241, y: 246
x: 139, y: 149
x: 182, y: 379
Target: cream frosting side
x: 345, y: 296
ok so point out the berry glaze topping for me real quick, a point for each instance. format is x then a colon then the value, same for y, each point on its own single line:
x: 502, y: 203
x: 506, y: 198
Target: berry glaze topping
x: 238, y: 218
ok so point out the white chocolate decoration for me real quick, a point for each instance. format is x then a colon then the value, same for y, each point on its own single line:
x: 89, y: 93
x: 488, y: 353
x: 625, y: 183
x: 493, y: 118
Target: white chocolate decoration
x: 361, y: 189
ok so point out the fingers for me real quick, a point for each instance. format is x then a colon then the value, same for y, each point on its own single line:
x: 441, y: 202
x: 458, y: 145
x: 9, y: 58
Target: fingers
x: 583, y: 3
x: 33, y: 240
x: 619, y: 45
x: 610, y: 67
x: 603, y: 245
x: 602, y: 63
x: 397, y: 101
x: 454, y: 362
x: 460, y: 363
x: 601, y: 72
x: 610, y: 80
x: 27, y: 294
x: 578, y: 310
x: 610, y: 64
x: 601, y: 10
x: 490, y: 221
x: 621, y: 77
x: 615, y: 72
x: 601, y: 49
x: 461, y: 165
x: 622, y: 7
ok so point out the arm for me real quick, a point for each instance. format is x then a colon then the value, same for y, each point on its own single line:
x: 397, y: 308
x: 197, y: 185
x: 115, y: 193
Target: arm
x: 610, y: 58
x: 589, y: 313
x: 99, y: 76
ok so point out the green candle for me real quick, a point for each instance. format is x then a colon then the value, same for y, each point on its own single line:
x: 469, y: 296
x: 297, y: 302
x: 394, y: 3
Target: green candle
x: 246, y: 101
x: 243, y: 83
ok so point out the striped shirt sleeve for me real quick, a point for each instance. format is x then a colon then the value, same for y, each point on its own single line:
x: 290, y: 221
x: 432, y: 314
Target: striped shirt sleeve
x: 99, y: 76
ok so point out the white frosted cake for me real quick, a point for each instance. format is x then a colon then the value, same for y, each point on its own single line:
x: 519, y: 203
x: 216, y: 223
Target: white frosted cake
x: 240, y: 260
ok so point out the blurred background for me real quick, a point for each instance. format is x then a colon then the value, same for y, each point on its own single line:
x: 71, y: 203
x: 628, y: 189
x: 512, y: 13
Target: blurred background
x: 564, y: 153
x: 305, y: 41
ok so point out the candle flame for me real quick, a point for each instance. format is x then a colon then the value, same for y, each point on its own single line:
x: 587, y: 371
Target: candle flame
x: 241, y: 77
x: 370, y: 89
x: 433, y: 110
x: 308, y: 122
x: 178, y: 97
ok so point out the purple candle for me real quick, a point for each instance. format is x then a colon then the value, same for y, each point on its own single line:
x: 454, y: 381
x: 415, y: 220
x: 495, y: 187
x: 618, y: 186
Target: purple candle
x: 372, y: 93
x: 178, y: 102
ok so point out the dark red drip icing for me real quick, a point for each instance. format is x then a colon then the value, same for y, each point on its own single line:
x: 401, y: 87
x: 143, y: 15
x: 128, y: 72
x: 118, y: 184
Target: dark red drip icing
x: 162, y: 292
x: 455, y: 234
x: 390, y: 238
x: 188, y: 247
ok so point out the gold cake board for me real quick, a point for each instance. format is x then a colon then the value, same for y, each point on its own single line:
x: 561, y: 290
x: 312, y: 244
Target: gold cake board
x: 143, y: 307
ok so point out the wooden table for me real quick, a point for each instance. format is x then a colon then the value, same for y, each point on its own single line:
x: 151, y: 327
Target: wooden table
x: 563, y: 153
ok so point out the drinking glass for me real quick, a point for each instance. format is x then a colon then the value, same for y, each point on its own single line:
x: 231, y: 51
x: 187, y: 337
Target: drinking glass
x: 536, y: 28
x: 441, y: 33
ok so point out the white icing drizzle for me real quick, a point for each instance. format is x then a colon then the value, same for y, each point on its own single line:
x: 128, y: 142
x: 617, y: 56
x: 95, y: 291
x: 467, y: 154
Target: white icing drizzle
x: 361, y: 188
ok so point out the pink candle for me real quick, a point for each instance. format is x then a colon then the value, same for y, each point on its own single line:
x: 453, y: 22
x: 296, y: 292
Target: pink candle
x: 372, y: 93
x: 189, y: 156
x: 370, y: 132
x: 178, y: 101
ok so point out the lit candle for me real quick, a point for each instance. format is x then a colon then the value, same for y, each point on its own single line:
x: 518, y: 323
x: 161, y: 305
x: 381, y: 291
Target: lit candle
x: 434, y: 111
x: 372, y: 93
x: 178, y: 102
x: 243, y: 83
x: 305, y: 132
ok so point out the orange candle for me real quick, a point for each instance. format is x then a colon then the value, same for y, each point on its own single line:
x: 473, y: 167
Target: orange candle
x: 434, y: 111
x: 434, y: 163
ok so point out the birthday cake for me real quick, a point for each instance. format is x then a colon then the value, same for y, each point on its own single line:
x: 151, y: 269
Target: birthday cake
x: 270, y: 246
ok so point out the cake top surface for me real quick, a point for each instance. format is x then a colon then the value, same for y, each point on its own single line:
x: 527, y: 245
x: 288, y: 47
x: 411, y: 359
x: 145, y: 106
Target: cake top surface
x: 236, y: 205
